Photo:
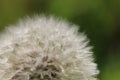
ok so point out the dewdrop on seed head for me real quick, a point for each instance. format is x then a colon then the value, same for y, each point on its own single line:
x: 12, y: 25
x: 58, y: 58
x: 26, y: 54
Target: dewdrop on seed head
x: 45, y: 48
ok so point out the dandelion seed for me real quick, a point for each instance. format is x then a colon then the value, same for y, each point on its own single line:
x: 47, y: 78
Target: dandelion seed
x: 45, y: 48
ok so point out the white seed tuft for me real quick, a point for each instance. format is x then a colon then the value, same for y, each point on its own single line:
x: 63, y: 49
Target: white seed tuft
x: 45, y: 48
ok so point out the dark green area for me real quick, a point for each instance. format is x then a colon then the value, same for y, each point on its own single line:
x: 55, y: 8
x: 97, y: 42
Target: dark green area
x: 99, y: 19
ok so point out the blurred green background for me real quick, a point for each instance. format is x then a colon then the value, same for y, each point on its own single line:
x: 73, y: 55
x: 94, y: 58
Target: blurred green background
x: 99, y: 19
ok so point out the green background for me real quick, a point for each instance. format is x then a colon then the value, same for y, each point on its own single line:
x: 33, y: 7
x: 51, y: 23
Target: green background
x: 99, y: 19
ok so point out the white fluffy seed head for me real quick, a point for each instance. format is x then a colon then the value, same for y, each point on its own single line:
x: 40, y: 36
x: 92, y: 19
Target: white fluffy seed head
x: 43, y: 48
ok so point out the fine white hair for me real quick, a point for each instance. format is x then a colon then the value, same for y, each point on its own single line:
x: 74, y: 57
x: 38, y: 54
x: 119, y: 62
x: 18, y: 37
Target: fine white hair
x: 45, y: 48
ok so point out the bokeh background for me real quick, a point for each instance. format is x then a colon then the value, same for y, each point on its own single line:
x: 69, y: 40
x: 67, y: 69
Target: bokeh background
x: 99, y: 19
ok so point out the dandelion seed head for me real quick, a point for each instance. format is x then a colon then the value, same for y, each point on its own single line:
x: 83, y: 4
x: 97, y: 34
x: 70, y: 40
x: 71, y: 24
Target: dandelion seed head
x: 45, y: 48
